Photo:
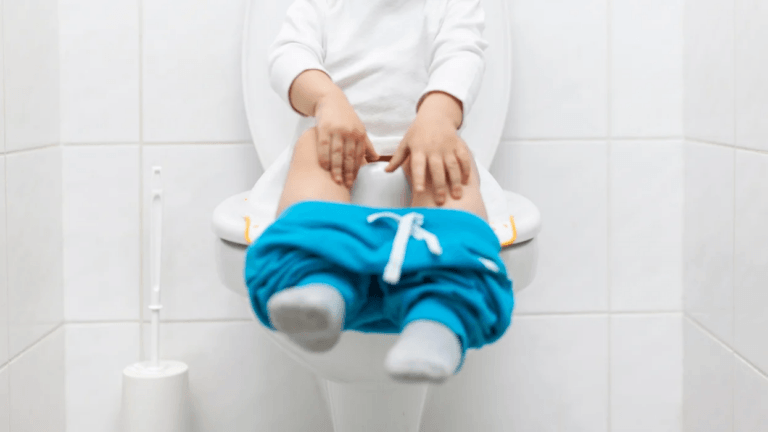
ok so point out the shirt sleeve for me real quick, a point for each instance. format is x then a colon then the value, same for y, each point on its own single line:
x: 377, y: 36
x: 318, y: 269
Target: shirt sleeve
x: 298, y: 46
x: 458, y: 61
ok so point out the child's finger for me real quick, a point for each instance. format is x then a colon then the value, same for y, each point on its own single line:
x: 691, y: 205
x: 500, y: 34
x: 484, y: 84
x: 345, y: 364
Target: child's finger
x: 465, y: 161
x: 337, y: 150
x: 359, y: 155
x: 397, y: 158
x: 370, y: 151
x: 454, y: 175
x: 437, y: 171
x: 324, y: 149
x: 418, y: 168
x: 349, y: 161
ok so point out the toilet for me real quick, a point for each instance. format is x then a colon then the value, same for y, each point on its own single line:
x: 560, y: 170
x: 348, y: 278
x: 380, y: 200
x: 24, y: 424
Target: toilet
x: 359, y: 393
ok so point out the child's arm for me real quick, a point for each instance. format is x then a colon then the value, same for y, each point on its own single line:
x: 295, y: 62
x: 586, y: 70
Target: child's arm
x: 458, y: 61
x: 297, y: 48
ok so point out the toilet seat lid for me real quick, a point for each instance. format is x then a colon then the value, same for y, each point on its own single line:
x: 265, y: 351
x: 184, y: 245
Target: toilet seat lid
x: 272, y: 123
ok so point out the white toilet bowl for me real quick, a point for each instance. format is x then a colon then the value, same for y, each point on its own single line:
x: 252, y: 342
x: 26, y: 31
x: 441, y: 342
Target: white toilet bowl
x: 360, y: 395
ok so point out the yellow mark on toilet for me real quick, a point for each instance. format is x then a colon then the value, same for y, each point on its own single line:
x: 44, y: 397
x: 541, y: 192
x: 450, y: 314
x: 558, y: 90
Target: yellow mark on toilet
x: 514, y: 232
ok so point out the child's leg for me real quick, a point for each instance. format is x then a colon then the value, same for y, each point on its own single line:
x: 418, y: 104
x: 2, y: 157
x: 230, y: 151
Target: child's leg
x: 432, y: 343
x: 312, y: 313
x: 430, y: 347
x: 471, y: 200
x: 307, y: 180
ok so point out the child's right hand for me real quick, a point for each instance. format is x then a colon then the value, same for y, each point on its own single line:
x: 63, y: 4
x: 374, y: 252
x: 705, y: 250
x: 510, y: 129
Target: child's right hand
x: 342, y: 142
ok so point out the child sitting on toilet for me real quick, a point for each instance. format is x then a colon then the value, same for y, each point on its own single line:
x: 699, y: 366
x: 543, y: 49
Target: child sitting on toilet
x: 394, y: 78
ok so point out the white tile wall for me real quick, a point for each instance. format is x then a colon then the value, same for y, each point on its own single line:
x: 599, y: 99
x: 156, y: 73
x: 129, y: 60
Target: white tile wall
x: 709, y: 70
x: 751, y: 257
x: 548, y: 374
x: 101, y: 233
x: 96, y: 356
x: 196, y: 178
x: 31, y: 62
x: 192, y: 88
x: 646, y: 204
x: 708, y: 237
x: 568, y: 183
x: 240, y: 381
x: 37, y: 387
x: 751, y: 69
x: 559, y: 86
x: 750, y: 398
x: 2, y: 87
x: 646, y: 373
x: 5, y: 401
x: 35, y: 295
x: 708, y: 382
x: 646, y: 68
x: 3, y: 270
x: 99, y: 63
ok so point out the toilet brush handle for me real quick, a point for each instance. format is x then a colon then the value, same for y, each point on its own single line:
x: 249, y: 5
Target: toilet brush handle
x: 155, y: 256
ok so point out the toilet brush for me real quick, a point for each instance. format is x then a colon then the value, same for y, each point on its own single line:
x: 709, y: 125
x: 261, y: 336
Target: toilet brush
x: 155, y: 392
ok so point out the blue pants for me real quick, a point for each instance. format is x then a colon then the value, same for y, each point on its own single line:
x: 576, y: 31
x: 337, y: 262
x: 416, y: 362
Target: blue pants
x: 461, y: 283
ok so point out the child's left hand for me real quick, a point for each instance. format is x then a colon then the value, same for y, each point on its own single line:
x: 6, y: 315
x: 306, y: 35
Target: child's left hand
x: 432, y: 140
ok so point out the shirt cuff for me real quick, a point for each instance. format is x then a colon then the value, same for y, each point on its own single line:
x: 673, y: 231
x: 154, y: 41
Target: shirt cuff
x: 288, y: 66
x: 460, y: 77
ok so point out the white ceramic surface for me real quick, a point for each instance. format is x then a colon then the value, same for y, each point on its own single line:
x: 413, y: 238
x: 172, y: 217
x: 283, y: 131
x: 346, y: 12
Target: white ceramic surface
x: 191, y: 71
x: 646, y: 68
x: 560, y: 69
x: 751, y: 258
x: 31, y: 63
x: 708, y: 263
x: 99, y: 62
x: 751, y: 70
x: 101, y: 232
x: 707, y: 382
x: 95, y: 355
x: 709, y: 71
x: 5, y: 400
x: 646, y: 215
x: 568, y: 182
x: 750, y: 398
x: 646, y: 372
x: 37, y: 386
x: 34, y: 245
x: 3, y: 271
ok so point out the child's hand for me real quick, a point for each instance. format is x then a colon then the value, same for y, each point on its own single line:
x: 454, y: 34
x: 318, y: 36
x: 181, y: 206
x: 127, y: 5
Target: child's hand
x: 432, y: 140
x: 342, y: 141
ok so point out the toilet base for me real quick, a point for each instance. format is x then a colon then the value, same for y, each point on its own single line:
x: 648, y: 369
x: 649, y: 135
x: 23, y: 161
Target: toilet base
x: 381, y: 408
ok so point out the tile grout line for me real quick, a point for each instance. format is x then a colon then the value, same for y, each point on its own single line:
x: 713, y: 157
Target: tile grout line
x: 729, y: 146
x: 734, y: 153
x: 728, y: 347
x: 30, y: 149
x: 5, y: 208
x: 33, y: 344
x: 140, y: 18
x: 592, y: 139
x: 158, y: 143
x: 609, y: 145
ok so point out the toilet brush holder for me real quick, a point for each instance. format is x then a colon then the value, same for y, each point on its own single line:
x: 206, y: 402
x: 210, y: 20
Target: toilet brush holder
x: 155, y: 393
x: 155, y: 398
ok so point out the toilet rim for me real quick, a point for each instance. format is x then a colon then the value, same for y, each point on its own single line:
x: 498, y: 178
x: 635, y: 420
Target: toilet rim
x: 231, y: 219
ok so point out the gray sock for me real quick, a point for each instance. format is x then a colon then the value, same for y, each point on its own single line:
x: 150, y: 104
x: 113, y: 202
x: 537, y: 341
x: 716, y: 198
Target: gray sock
x: 427, y: 351
x: 312, y: 316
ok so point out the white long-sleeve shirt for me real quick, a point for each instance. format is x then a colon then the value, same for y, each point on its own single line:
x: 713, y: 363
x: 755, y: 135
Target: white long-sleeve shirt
x: 385, y: 55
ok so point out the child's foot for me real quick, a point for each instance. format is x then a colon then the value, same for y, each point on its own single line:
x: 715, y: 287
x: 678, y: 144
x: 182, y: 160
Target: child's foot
x: 427, y: 351
x: 311, y: 316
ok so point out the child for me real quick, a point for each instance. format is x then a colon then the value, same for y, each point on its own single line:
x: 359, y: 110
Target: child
x: 382, y: 77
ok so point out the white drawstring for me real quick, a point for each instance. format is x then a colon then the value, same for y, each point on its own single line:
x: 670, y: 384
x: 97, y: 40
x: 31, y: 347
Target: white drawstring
x: 408, y: 225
